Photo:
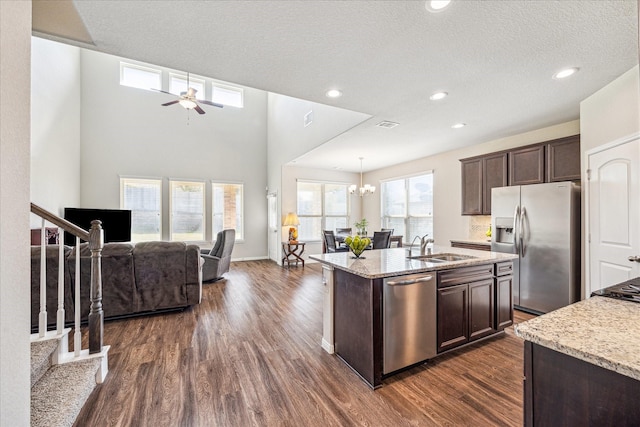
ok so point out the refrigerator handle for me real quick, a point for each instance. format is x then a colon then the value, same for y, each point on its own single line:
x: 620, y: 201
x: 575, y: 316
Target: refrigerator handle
x: 521, y: 235
x: 516, y: 225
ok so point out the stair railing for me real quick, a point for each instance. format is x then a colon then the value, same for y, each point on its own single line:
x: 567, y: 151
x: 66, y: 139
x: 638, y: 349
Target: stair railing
x: 95, y: 238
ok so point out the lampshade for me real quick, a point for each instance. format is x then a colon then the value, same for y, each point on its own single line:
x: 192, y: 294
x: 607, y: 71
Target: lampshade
x: 291, y: 219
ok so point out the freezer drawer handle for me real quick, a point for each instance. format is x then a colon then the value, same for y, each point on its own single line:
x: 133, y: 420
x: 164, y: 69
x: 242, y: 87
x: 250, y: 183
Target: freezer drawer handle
x: 634, y: 258
x: 410, y: 281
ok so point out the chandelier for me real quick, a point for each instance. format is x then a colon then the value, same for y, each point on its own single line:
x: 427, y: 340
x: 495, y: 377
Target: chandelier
x: 363, y: 189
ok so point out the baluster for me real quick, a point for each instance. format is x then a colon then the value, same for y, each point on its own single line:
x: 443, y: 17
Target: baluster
x: 42, y: 320
x: 96, y: 316
x: 77, y: 334
x: 60, y: 320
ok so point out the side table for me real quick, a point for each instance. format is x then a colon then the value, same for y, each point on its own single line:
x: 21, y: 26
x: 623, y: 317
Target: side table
x: 292, y: 253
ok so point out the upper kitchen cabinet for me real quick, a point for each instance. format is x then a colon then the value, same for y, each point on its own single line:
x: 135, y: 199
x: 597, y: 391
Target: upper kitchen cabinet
x: 472, y: 186
x: 563, y: 159
x: 479, y: 176
x: 548, y: 161
x: 526, y: 165
x: 494, y: 174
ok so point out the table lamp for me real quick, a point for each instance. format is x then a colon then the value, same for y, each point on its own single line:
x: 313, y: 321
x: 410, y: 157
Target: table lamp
x: 292, y: 221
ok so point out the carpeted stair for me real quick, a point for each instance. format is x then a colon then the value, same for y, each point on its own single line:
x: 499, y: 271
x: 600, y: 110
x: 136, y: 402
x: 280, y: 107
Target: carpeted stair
x: 58, y: 392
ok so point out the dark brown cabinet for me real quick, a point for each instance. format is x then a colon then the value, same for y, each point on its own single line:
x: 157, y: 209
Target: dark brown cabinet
x: 549, y: 161
x: 526, y: 165
x: 504, y: 302
x: 563, y: 159
x: 494, y: 174
x: 479, y: 176
x: 472, y: 187
x: 453, y: 321
x: 465, y: 305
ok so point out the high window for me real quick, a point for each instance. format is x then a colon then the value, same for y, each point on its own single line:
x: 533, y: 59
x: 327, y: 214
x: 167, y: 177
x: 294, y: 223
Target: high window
x: 186, y: 200
x: 228, y: 95
x: 321, y: 206
x: 407, y: 206
x: 227, y: 208
x: 140, y: 77
x: 144, y: 198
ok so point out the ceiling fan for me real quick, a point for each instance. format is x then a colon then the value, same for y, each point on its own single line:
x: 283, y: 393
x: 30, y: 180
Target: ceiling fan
x: 188, y: 99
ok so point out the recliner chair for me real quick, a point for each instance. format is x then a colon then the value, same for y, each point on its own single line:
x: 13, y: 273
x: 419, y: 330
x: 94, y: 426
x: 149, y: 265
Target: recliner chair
x: 217, y: 261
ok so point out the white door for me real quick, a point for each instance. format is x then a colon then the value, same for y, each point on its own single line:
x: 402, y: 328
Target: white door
x: 614, y: 214
x: 272, y: 218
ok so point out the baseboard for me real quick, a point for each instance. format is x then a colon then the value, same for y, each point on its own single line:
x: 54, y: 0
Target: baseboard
x: 329, y: 348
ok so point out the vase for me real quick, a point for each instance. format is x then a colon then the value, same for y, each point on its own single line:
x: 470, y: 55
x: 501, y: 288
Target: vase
x: 357, y: 254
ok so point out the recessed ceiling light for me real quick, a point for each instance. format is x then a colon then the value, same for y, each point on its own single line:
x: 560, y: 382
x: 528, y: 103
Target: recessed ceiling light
x: 333, y: 93
x: 565, y: 73
x: 459, y: 125
x: 438, y: 95
x: 436, y: 5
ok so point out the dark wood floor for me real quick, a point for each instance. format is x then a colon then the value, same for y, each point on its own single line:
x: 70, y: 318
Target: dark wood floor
x: 250, y: 355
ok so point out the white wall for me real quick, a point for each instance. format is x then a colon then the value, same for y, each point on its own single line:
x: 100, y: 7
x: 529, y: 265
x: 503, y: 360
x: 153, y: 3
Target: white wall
x: 288, y: 138
x: 126, y: 132
x: 448, y: 223
x: 612, y: 112
x: 15, y: 320
x: 55, y: 126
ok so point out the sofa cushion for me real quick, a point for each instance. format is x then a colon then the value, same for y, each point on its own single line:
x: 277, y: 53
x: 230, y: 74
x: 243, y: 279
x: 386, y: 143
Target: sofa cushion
x: 119, y: 294
x: 160, y: 274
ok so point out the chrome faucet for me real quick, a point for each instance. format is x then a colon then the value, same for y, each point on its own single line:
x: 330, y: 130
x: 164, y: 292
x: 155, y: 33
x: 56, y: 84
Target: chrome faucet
x: 424, y: 244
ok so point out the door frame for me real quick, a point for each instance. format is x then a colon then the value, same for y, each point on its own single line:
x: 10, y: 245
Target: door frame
x: 587, y: 203
x: 273, y: 236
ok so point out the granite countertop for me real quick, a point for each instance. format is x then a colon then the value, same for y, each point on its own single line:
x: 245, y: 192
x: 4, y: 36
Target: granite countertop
x: 473, y: 242
x: 382, y: 263
x: 599, y: 330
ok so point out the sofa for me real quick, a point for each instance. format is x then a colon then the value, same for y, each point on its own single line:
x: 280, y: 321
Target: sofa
x: 137, y: 279
x: 218, y: 260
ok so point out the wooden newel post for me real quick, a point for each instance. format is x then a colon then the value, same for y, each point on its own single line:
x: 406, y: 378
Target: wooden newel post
x: 96, y: 315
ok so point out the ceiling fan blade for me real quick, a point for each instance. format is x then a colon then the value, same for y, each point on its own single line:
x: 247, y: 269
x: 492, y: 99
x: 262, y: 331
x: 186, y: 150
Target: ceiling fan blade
x: 210, y: 103
x: 170, y: 103
x: 163, y: 91
x: 198, y: 109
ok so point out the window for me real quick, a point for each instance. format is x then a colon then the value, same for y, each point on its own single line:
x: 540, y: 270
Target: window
x: 178, y: 84
x: 144, y: 198
x: 227, y: 208
x: 227, y: 95
x: 140, y: 77
x: 186, y: 210
x: 321, y: 206
x: 407, y: 206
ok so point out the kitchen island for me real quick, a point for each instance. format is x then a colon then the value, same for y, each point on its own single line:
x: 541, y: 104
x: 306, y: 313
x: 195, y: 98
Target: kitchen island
x: 582, y: 364
x: 393, y: 309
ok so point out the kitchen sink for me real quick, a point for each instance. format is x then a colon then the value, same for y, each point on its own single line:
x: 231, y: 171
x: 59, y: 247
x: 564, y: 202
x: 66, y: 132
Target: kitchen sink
x: 442, y: 257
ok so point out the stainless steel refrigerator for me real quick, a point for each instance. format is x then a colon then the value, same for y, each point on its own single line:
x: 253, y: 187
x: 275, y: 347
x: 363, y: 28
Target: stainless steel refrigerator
x: 540, y: 223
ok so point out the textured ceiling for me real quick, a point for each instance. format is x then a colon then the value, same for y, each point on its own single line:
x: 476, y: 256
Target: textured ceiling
x: 494, y: 58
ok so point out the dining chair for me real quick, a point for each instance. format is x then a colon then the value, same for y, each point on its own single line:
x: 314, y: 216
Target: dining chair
x: 381, y: 239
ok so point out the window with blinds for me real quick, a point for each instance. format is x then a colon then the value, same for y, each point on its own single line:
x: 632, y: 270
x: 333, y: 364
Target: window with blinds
x: 407, y: 206
x: 186, y: 201
x: 227, y: 208
x: 144, y: 198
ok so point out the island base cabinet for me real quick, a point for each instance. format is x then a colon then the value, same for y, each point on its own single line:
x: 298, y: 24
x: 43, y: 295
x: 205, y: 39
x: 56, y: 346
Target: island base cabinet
x: 358, y: 324
x: 561, y: 390
x: 453, y: 320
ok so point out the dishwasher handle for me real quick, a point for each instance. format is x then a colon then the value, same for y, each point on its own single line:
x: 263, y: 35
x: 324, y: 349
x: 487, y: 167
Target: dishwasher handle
x: 409, y: 281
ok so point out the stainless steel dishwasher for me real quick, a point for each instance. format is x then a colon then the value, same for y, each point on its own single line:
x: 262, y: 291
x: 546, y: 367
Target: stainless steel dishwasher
x: 409, y: 319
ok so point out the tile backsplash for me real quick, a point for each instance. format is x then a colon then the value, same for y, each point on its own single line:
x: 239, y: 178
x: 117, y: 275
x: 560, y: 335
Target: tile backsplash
x: 478, y: 226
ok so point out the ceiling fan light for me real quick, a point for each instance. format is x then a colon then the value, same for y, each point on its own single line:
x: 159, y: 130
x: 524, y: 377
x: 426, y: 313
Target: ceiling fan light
x: 188, y: 104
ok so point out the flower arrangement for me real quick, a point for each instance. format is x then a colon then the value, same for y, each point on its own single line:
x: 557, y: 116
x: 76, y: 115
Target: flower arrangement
x: 362, y: 226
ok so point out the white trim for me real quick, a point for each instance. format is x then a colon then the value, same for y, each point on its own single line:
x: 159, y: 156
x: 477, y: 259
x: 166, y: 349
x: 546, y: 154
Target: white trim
x: 587, y: 198
x: 430, y: 171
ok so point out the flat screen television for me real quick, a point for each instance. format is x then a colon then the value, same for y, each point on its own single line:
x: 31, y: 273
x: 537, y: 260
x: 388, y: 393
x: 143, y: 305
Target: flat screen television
x: 116, y: 223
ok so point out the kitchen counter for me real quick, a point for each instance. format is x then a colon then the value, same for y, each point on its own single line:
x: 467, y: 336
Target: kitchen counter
x: 599, y: 330
x: 376, y: 264
x: 472, y: 242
